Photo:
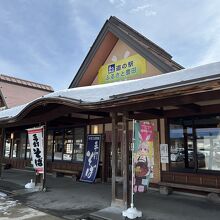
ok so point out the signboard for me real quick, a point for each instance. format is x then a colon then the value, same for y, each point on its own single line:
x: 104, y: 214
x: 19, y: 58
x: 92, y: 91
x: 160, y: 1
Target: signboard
x: 91, y: 160
x: 127, y: 68
x: 36, y: 141
x: 164, y: 159
x: 164, y: 153
x: 143, y: 155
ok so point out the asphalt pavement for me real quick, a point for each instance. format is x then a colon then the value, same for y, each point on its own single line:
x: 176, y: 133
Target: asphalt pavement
x: 67, y: 199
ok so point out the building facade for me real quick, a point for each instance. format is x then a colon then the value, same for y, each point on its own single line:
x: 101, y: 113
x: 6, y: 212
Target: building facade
x: 125, y: 76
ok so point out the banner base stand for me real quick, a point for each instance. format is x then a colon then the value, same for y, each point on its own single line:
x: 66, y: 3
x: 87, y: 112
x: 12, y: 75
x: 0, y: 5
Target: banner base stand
x: 132, y: 213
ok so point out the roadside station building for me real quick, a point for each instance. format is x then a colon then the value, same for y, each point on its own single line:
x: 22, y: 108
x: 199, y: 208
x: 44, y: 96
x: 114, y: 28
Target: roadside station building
x: 125, y: 76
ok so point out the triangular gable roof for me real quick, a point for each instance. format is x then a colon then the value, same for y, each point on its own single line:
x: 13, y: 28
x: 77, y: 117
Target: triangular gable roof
x: 113, y: 30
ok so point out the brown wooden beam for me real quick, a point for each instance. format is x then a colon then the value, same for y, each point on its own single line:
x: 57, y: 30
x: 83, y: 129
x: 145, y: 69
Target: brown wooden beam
x: 96, y: 113
x: 125, y: 159
x: 204, y: 110
x: 193, y: 107
x: 114, y: 156
x: 153, y: 111
x: 142, y: 104
x: 103, y: 150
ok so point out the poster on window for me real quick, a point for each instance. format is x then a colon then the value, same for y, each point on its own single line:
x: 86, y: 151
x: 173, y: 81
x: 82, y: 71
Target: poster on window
x: 143, y: 155
x: 91, y: 161
x: 36, y: 141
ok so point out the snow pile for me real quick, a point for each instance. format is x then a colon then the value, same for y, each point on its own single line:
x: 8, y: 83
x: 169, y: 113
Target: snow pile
x: 6, y: 204
x: 2, y: 194
x: 30, y: 185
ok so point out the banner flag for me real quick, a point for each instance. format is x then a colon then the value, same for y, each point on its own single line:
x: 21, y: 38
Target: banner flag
x: 143, y: 155
x: 91, y: 159
x: 36, y: 141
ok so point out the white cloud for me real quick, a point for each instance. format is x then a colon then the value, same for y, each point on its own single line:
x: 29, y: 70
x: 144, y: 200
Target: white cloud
x: 118, y: 3
x: 122, y: 2
x: 140, y: 8
x: 150, y: 13
x: 212, y: 53
x: 146, y: 9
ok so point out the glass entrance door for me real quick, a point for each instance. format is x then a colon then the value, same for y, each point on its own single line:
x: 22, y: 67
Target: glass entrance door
x: 208, y: 143
x: 182, y: 146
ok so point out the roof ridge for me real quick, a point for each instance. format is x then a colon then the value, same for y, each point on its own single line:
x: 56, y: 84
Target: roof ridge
x: 134, y: 39
x: 114, y: 19
x: 24, y: 81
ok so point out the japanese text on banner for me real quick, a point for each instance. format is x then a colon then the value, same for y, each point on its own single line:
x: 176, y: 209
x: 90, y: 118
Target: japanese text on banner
x: 35, y: 137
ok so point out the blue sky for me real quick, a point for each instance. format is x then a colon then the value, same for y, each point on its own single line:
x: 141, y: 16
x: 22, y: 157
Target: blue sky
x: 47, y: 40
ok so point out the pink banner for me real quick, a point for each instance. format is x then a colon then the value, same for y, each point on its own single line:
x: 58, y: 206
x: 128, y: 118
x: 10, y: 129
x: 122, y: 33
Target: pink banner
x: 143, y: 155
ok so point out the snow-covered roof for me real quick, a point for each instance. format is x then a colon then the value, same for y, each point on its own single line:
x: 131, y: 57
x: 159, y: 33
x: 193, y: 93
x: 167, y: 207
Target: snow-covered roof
x: 106, y: 92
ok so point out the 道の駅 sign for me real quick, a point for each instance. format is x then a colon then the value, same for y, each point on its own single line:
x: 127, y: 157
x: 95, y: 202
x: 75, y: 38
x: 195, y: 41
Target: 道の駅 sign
x: 127, y: 68
x: 36, y: 141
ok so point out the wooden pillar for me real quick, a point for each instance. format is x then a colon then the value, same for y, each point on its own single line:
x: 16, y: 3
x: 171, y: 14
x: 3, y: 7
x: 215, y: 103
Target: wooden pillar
x: 90, y: 127
x: 103, y: 153
x: 125, y: 161
x: 1, y: 148
x: 114, y: 147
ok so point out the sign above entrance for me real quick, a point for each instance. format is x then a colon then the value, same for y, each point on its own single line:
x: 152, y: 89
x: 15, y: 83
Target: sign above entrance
x: 127, y: 68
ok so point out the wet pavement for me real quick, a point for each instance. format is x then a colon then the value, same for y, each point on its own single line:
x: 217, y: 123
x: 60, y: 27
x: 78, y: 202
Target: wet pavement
x: 63, y: 198
x: 67, y: 199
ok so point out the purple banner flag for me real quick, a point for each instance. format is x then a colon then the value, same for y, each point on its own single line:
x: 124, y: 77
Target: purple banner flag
x: 91, y: 160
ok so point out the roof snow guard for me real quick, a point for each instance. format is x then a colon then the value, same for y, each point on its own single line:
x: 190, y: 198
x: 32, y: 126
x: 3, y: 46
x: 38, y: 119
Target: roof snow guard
x: 94, y: 95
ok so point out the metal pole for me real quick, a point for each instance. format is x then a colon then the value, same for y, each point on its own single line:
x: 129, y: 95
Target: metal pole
x: 132, y: 212
x: 132, y: 168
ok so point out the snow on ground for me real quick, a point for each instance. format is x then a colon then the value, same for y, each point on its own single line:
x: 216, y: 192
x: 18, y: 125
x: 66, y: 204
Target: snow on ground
x: 13, y: 210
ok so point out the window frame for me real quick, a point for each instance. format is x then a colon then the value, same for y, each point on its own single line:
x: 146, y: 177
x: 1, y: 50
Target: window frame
x: 196, y: 169
x: 63, y: 139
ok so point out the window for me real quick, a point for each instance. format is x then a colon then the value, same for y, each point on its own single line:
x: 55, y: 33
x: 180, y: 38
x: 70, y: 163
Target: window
x: 208, y: 143
x: 68, y: 145
x: 58, y: 145
x: 23, y: 142
x: 195, y: 143
x: 28, y: 151
x: 78, y: 153
x: 49, y: 145
x: 7, y: 144
x: 62, y: 144
x: 15, y: 144
x: 181, y: 144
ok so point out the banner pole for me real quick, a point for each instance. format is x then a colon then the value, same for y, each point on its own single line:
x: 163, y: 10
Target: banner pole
x: 132, y: 212
x: 132, y: 167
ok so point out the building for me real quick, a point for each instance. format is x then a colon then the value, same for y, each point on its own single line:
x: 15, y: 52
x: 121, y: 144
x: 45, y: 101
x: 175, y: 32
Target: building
x: 126, y: 76
x: 12, y: 91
